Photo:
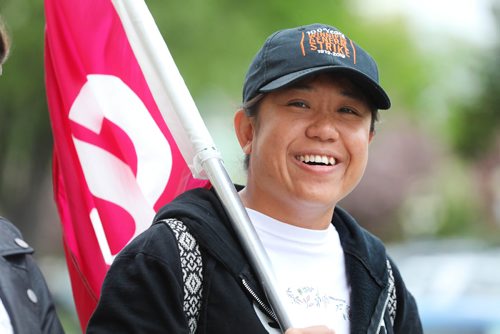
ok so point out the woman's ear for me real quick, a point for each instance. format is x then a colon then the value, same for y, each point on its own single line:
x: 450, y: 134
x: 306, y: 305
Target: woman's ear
x: 370, y: 138
x: 244, y: 127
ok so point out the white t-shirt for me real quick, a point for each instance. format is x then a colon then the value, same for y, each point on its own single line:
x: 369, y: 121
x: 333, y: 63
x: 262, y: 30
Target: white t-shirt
x: 310, y: 272
x: 5, y: 324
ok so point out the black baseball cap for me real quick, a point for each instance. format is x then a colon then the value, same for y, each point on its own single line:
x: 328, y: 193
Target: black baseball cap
x: 292, y: 54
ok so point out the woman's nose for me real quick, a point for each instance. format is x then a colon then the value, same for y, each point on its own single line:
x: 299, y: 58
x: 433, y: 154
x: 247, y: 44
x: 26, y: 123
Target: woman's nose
x: 322, y: 127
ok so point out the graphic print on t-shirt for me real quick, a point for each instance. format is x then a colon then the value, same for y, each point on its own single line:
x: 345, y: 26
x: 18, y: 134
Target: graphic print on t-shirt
x: 311, y: 298
x: 308, y: 304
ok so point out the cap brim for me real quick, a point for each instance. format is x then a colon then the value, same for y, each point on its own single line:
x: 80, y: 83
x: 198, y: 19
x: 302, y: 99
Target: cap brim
x: 368, y: 86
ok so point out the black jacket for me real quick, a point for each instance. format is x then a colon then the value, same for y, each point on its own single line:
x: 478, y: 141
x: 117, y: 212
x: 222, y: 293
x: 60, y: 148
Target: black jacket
x: 23, y: 290
x: 143, y: 293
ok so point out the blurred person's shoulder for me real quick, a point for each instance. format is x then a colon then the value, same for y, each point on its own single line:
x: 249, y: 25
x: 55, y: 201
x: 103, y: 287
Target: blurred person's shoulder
x: 7, y: 227
x: 11, y: 238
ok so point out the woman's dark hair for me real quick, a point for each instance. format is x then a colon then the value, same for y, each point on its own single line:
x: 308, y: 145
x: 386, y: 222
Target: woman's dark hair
x: 251, y: 109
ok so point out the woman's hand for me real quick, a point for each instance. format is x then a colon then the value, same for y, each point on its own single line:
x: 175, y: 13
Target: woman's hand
x: 311, y: 330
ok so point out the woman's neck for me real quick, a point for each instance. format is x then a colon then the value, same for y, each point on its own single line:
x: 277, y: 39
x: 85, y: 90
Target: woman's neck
x: 288, y: 210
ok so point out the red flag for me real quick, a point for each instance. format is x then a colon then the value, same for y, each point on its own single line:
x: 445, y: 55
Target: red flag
x: 115, y: 162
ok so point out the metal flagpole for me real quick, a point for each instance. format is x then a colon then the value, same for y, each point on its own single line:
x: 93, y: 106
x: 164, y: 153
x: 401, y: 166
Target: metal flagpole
x: 190, y: 133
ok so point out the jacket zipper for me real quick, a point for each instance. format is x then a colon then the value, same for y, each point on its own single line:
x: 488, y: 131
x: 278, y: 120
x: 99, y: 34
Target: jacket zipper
x: 264, y: 306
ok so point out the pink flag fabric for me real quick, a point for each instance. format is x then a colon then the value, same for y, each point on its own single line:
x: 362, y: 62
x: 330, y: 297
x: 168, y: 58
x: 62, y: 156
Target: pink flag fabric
x: 115, y: 162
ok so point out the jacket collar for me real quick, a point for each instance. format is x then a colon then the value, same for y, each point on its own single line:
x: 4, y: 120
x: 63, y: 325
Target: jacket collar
x: 363, y: 246
x: 209, y: 222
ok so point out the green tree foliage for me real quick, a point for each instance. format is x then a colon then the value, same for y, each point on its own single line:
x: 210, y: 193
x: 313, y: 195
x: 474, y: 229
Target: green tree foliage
x: 475, y: 124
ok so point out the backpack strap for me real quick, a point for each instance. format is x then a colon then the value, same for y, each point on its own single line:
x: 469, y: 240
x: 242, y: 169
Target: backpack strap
x: 392, y: 304
x: 192, y: 271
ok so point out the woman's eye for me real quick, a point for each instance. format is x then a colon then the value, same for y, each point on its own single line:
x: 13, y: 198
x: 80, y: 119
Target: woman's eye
x: 299, y: 104
x: 348, y: 110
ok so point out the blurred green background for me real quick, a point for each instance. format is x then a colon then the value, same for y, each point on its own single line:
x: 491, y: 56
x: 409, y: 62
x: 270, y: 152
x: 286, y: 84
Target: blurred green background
x: 434, y: 170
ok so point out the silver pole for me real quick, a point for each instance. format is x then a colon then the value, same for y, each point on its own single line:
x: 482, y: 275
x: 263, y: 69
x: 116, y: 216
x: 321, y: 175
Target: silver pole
x: 247, y: 235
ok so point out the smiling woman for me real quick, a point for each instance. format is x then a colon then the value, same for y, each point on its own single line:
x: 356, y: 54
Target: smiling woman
x: 322, y: 119
x: 310, y: 101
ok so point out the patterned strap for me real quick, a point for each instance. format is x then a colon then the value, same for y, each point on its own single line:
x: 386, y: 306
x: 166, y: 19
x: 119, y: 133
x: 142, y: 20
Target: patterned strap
x: 392, y: 304
x: 192, y: 273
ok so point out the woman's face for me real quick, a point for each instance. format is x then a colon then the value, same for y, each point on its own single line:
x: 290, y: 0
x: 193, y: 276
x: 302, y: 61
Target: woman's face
x: 308, y: 146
